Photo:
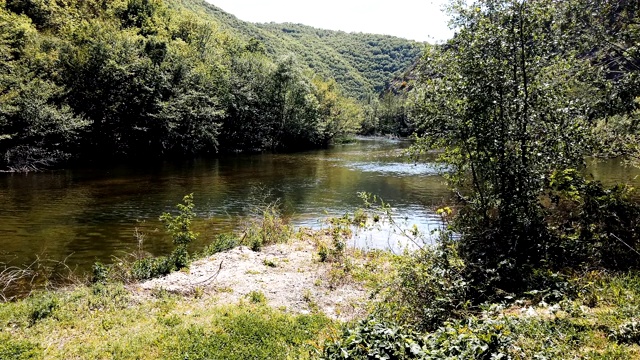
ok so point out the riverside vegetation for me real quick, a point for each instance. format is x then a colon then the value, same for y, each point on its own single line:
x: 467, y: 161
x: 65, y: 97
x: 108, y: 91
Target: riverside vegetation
x: 534, y: 260
x: 191, y: 81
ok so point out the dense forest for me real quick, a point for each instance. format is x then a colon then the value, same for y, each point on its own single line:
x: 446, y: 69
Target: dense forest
x: 363, y: 64
x: 97, y: 80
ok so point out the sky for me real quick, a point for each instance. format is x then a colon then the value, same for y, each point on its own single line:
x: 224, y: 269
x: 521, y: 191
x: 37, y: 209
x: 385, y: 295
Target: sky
x: 421, y: 20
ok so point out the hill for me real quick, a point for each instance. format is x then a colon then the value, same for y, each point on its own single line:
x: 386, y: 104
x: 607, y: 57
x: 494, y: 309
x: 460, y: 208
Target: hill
x: 362, y: 64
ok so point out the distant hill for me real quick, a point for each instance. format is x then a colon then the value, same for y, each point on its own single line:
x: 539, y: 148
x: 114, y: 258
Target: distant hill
x: 363, y: 64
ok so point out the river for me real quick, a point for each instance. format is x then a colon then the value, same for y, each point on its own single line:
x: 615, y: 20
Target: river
x: 88, y: 215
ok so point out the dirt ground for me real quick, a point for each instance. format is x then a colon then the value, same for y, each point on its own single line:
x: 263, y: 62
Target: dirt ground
x: 289, y: 275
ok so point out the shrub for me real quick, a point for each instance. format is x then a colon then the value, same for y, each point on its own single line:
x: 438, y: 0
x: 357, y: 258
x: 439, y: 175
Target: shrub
x: 627, y: 333
x: 149, y: 268
x: 179, y: 227
x: 100, y: 273
x: 266, y: 227
x: 374, y: 339
x: 595, y: 226
x: 430, y: 286
x: 42, y: 307
x: 469, y: 339
x: 222, y: 242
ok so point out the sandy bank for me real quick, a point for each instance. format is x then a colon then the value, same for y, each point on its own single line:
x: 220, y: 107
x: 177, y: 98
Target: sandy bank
x: 289, y: 275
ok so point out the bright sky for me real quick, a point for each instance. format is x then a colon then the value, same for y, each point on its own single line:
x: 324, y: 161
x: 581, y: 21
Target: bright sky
x: 421, y: 20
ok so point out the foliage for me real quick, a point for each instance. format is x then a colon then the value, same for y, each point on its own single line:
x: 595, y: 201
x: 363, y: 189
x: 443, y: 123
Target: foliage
x: 429, y: 287
x: 362, y: 64
x: 187, y: 84
x: 222, y: 242
x: 266, y: 227
x: 629, y: 332
x: 179, y: 227
x: 508, y: 99
x: 153, y: 267
x: 100, y: 273
x: 257, y: 297
x: 18, y: 350
x: 594, y: 225
x: 42, y: 306
x: 372, y: 339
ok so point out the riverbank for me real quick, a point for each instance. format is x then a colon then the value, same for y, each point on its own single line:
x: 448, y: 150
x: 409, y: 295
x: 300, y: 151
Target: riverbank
x: 281, y: 302
x: 284, y: 302
x: 288, y: 277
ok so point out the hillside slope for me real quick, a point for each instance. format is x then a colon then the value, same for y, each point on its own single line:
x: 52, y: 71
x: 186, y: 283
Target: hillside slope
x: 363, y: 64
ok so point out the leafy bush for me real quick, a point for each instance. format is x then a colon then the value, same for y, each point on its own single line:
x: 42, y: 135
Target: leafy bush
x: 100, y: 273
x: 595, y: 226
x: 373, y: 339
x: 628, y: 333
x: 42, y: 307
x: 18, y: 349
x: 179, y: 227
x: 266, y: 227
x: 469, y: 339
x: 149, y: 268
x: 430, y: 286
x: 222, y: 242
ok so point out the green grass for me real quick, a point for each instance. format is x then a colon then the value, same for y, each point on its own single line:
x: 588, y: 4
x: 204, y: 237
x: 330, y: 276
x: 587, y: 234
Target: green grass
x: 107, y: 322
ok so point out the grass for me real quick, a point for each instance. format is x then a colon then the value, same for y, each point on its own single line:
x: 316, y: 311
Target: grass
x: 108, y: 322
x: 600, y: 320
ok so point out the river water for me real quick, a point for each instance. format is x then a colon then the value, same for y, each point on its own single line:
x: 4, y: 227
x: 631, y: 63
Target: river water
x: 88, y: 215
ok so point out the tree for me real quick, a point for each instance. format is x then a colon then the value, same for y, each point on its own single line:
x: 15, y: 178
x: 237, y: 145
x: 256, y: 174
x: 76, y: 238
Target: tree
x: 509, y: 105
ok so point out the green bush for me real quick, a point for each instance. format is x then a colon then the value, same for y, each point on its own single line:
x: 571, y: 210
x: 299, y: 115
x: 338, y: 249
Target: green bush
x: 42, y: 306
x: 18, y: 349
x: 179, y: 227
x: 267, y: 227
x: 430, y: 287
x: 100, y: 273
x: 627, y: 333
x: 373, y: 339
x: 222, y: 242
x: 469, y: 339
x: 149, y: 268
x: 594, y: 226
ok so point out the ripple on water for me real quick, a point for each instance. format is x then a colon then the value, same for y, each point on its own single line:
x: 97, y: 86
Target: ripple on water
x: 397, y: 168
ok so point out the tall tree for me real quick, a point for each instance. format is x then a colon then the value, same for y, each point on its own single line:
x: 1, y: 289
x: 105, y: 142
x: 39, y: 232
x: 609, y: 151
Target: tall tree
x: 509, y: 106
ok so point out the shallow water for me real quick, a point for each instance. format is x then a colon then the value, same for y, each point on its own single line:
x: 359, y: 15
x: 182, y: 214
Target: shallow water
x: 85, y: 215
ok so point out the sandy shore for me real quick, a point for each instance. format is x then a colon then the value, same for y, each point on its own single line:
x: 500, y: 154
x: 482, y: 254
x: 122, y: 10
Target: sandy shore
x: 289, y: 275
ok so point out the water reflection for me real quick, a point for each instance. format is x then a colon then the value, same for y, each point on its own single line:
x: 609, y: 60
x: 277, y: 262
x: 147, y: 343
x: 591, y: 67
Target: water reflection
x: 92, y: 213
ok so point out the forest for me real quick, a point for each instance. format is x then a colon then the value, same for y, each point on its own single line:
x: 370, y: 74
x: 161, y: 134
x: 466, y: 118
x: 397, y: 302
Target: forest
x: 96, y: 81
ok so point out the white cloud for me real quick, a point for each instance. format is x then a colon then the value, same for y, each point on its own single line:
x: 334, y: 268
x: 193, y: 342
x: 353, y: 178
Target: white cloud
x: 411, y: 19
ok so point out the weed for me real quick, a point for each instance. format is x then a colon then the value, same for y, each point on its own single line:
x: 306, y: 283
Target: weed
x: 266, y: 227
x: 269, y: 263
x: 257, y: 297
x: 307, y: 297
x: 628, y: 332
x: 42, y: 306
x: 18, y: 349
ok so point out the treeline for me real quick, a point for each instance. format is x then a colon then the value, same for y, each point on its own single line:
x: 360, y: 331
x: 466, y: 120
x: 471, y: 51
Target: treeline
x: 362, y: 64
x: 131, y: 79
